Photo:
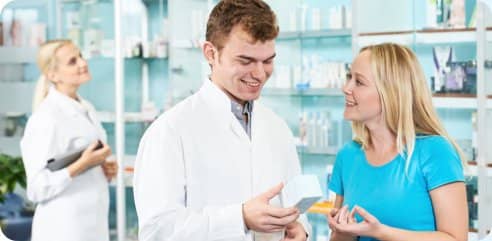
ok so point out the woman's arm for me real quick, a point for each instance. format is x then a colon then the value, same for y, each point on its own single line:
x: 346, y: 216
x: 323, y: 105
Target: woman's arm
x: 451, y: 212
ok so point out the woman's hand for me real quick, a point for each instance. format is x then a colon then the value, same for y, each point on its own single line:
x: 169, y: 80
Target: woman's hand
x: 89, y: 158
x: 110, y: 169
x: 344, y: 222
x: 336, y: 235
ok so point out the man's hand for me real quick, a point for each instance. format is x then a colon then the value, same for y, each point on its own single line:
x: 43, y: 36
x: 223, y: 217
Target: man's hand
x: 295, y: 232
x: 259, y: 216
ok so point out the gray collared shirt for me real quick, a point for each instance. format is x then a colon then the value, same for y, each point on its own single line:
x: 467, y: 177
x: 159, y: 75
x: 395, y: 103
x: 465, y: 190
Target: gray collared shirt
x: 243, y: 115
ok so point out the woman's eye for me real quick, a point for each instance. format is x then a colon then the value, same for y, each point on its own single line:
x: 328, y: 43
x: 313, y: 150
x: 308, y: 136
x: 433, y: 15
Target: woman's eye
x: 358, y: 82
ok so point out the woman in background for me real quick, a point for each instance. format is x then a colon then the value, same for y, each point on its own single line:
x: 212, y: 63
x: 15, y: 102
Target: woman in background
x: 401, y: 178
x: 73, y: 202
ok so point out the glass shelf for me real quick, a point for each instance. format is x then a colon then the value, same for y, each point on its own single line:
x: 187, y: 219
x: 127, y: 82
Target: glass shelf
x: 17, y: 55
x: 457, y: 101
x: 423, y: 36
x: 329, y: 151
x: 10, y: 145
x: 18, y: 96
x: 85, y: 1
x: 26, y: 4
x: 327, y: 92
x: 313, y: 34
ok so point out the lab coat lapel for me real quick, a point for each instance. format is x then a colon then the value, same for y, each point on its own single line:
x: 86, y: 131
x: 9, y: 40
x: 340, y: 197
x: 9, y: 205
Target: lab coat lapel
x: 219, y: 105
x: 238, y: 130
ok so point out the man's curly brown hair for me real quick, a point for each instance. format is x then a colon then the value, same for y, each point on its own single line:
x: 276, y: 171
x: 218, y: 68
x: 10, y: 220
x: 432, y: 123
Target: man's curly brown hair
x: 254, y: 16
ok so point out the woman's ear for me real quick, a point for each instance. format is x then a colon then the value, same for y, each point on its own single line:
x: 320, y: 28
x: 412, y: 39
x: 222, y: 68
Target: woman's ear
x: 209, y: 52
x: 51, y: 76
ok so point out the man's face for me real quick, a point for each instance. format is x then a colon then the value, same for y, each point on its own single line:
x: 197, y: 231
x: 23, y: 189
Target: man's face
x: 243, y: 65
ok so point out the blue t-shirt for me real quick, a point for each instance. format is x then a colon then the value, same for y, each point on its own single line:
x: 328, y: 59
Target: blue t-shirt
x: 397, y: 198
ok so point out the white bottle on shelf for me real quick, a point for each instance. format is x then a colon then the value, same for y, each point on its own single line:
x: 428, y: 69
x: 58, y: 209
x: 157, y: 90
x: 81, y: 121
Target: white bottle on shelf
x: 430, y: 15
x: 322, y: 131
x: 315, y: 19
x: 311, y: 130
x: 302, y: 17
x: 303, y: 128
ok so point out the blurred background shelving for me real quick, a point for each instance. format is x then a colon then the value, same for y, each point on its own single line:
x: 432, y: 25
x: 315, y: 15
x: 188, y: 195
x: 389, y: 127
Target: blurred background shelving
x: 163, y: 64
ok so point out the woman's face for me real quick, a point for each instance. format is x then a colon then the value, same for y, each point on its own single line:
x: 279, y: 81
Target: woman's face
x: 71, y: 69
x: 362, y: 103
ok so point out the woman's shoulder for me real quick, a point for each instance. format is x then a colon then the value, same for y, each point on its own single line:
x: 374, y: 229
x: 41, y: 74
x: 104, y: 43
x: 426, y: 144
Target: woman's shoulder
x: 432, y: 141
x: 434, y: 146
x: 46, y: 113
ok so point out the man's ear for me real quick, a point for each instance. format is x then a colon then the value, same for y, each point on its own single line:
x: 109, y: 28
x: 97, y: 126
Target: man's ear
x: 209, y: 52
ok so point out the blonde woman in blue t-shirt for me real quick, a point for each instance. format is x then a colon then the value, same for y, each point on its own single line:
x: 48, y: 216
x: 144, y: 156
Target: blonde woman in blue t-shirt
x: 401, y: 178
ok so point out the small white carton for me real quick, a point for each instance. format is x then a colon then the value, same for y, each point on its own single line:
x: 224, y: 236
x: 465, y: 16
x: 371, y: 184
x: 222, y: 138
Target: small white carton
x: 302, y: 192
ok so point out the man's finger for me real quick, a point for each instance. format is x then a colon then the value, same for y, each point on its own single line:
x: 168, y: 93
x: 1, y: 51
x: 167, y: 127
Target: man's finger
x: 280, y: 212
x: 283, y: 221
x: 270, y: 228
x: 272, y: 192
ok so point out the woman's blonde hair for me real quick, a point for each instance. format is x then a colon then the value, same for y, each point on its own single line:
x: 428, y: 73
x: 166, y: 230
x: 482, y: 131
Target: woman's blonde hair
x: 47, y: 61
x: 406, y: 100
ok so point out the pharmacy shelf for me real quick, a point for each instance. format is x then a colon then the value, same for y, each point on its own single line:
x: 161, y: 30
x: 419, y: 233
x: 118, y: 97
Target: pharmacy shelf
x: 422, y: 37
x: 400, y: 37
x: 16, y: 96
x: 306, y: 150
x: 18, y: 55
x: 85, y: 1
x: 27, y: 4
x: 327, y: 92
x: 436, y: 36
x: 472, y: 170
x: 110, y: 117
x: 457, y: 101
x: 314, y: 34
x: 322, y: 207
x: 441, y: 101
x: 10, y: 145
x: 128, y: 163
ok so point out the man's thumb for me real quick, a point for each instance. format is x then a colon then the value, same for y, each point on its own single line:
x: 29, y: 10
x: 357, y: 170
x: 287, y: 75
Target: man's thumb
x: 272, y: 192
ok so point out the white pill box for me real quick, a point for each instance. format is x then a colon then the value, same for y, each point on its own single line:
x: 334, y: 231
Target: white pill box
x: 302, y: 192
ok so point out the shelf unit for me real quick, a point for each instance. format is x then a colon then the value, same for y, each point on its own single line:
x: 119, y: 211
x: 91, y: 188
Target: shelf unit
x: 314, y: 34
x: 19, y: 96
x: 441, y: 101
x: 309, y: 92
x: 110, y: 117
x: 10, y: 145
x: 180, y: 47
x: 17, y: 55
x: 422, y: 37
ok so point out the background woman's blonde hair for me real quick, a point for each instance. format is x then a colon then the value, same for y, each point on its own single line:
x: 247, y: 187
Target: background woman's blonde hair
x: 46, y: 61
x: 405, y: 99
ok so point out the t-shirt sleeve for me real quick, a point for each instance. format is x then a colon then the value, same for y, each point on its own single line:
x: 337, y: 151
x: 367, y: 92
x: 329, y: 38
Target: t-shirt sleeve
x: 336, y: 182
x: 442, y: 164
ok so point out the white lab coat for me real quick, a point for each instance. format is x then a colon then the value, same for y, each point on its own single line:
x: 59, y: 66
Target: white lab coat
x: 68, y: 209
x: 196, y: 166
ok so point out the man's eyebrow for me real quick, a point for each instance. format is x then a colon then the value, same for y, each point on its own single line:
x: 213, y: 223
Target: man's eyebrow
x: 253, y: 59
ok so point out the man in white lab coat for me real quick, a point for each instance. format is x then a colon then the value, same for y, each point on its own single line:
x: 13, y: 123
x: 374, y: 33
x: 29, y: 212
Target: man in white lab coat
x: 211, y: 167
